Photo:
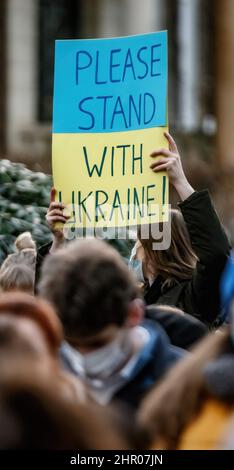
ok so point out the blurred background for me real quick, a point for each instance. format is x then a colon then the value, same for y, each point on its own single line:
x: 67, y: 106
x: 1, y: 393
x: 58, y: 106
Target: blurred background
x: 201, y: 78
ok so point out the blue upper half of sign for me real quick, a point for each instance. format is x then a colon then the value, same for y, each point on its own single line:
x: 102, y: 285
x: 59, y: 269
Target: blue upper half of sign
x: 110, y: 85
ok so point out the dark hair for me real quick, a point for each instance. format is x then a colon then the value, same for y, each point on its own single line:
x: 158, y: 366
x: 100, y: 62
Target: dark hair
x: 90, y: 286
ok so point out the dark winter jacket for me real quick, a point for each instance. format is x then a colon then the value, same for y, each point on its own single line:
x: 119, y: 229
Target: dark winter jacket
x: 183, y: 330
x: 200, y: 295
x: 219, y: 377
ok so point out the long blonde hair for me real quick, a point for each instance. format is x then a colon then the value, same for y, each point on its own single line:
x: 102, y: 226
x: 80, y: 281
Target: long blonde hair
x: 176, y: 263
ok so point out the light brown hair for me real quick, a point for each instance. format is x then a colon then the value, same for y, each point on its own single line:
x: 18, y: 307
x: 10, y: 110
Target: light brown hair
x: 26, y: 306
x: 17, y: 277
x: 25, y: 252
x: 178, y: 262
x: 17, y: 272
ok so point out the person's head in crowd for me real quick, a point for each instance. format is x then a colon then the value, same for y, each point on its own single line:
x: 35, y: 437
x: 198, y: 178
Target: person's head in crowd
x: 35, y: 415
x: 197, y: 392
x: 28, y: 324
x: 93, y: 292
x: 17, y: 277
x: 98, y: 302
x: 176, y: 263
x: 17, y: 273
x: 24, y: 242
x: 25, y: 252
x: 30, y: 329
x: 164, y: 309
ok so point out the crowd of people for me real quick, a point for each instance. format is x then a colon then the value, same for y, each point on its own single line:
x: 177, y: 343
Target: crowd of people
x: 98, y: 354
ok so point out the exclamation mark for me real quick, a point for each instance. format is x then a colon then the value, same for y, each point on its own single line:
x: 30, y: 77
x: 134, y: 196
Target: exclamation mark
x: 60, y: 200
x: 73, y: 228
x: 164, y: 185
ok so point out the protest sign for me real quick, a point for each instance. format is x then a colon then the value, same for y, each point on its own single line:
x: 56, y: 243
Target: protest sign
x: 110, y: 112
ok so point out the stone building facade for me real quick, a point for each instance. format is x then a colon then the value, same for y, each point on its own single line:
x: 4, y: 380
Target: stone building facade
x: 201, y: 66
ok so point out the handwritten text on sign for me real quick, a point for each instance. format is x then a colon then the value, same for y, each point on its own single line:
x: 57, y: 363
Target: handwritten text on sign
x: 110, y: 112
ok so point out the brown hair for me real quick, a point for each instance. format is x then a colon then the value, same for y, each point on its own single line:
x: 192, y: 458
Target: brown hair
x: 169, y: 407
x: 38, y: 310
x: 90, y: 286
x: 34, y: 414
x: 176, y: 263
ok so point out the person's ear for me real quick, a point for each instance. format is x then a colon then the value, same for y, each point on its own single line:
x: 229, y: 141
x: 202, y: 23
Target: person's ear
x: 136, y: 312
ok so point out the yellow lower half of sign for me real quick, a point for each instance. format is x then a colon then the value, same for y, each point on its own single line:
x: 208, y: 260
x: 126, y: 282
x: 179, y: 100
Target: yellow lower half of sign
x: 106, y: 181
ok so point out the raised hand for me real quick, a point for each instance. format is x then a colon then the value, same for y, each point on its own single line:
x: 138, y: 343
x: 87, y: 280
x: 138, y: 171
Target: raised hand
x: 55, y: 215
x: 169, y: 160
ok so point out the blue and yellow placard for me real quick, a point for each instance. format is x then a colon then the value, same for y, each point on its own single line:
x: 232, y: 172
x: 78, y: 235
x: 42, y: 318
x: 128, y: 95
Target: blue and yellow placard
x: 110, y: 112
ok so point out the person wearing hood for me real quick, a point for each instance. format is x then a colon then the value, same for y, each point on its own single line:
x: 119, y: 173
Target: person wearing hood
x: 108, y: 344
x: 199, y: 392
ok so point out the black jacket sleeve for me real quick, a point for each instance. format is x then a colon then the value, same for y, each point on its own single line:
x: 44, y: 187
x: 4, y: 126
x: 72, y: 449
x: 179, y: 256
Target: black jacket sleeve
x: 42, y: 252
x: 211, y: 246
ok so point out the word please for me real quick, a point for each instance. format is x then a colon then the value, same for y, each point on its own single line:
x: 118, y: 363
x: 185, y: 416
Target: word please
x: 117, y: 65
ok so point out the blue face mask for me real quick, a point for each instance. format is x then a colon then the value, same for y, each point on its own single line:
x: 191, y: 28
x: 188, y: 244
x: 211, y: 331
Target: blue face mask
x: 135, y: 266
